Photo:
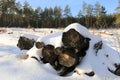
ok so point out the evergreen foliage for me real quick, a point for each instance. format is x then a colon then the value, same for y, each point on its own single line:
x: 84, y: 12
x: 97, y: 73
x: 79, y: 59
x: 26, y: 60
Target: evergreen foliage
x: 14, y: 14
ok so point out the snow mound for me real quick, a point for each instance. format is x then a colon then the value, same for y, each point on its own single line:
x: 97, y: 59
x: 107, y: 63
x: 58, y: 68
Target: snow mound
x: 78, y: 27
x: 97, y: 62
x: 54, y: 39
x: 30, y: 36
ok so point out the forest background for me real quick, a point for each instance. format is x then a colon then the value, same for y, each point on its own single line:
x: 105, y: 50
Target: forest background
x: 15, y: 14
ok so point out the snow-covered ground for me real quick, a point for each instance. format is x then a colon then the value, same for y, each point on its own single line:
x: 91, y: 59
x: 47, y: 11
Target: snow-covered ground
x: 12, y: 67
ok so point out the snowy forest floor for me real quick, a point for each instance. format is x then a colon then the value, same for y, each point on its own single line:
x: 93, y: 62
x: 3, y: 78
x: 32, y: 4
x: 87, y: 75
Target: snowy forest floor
x: 8, y: 45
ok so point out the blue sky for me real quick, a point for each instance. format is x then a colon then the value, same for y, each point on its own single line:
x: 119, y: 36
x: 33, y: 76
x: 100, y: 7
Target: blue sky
x: 75, y: 5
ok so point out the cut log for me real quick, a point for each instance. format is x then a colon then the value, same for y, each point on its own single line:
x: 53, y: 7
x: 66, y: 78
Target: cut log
x: 25, y: 43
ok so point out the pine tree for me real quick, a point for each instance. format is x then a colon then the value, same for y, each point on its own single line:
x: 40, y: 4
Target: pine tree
x: 89, y: 16
x: 57, y: 16
x: 84, y: 8
x: 97, y: 9
x: 118, y: 7
x: 67, y: 15
x: 79, y: 14
x: 117, y: 22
